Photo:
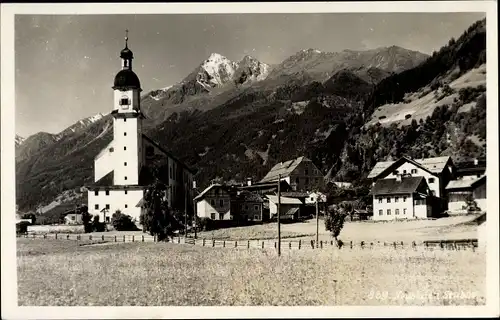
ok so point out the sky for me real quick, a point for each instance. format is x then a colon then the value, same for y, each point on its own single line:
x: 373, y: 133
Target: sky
x: 65, y: 64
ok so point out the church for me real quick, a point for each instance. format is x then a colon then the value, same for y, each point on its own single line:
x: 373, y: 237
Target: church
x: 124, y: 168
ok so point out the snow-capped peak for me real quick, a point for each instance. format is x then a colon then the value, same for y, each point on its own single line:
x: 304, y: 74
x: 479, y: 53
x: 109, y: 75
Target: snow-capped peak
x: 19, y: 140
x: 219, y: 69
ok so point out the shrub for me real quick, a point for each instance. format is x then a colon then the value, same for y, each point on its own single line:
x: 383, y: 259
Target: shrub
x: 122, y: 222
x: 22, y: 227
x: 335, y: 222
x: 98, y: 226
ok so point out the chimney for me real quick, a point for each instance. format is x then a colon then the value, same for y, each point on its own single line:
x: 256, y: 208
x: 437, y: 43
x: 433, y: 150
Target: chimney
x: 399, y: 177
x: 249, y: 181
x: 476, y: 162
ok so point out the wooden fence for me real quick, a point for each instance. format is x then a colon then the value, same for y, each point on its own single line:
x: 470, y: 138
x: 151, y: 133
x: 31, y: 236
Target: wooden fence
x: 461, y: 244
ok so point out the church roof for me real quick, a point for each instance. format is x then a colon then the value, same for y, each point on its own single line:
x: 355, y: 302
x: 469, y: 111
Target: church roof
x: 126, y: 53
x: 126, y: 79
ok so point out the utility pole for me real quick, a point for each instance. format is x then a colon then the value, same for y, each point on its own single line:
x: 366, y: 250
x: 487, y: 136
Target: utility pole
x: 185, y: 210
x: 317, y: 221
x: 279, y: 224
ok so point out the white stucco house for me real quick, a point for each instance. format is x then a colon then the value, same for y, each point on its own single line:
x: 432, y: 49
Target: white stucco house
x: 123, y: 169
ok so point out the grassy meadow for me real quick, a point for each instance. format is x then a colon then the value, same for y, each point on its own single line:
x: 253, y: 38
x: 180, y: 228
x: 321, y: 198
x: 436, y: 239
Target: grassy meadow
x: 67, y: 273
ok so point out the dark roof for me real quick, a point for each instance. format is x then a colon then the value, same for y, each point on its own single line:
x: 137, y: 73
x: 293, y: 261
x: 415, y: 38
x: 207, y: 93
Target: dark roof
x: 432, y: 165
x: 392, y: 186
x: 295, y: 194
x: 248, y: 196
x: 168, y: 153
x: 107, y: 180
x: 266, y: 185
x: 126, y: 79
x: 479, y: 181
x: 470, y: 171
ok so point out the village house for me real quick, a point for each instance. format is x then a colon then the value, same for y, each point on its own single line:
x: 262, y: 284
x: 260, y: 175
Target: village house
x: 301, y: 174
x: 216, y: 202
x: 124, y: 168
x: 73, y: 218
x: 401, y: 198
x: 289, y: 207
x: 264, y: 188
x: 250, y: 206
x: 460, y: 191
x: 470, y: 169
x: 437, y: 172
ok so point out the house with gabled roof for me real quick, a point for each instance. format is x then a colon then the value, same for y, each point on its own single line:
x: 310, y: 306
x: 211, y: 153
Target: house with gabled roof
x: 460, y: 191
x: 401, y: 198
x: 216, y: 202
x: 437, y: 171
x: 300, y: 173
x: 289, y: 207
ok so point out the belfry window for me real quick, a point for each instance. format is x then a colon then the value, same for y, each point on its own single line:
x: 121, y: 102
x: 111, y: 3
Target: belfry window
x: 124, y: 102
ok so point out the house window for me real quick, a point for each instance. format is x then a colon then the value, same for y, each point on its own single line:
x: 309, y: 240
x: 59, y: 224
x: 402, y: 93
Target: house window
x: 107, y: 219
x: 150, y: 151
x: 431, y: 180
x: 388, y: 212
x: 124, y: 133
x: 212, y: 202
x: 96, y: 207
x: 107, y: 192
x: 380, y: 200
x: 124, y: 119
x: 397, y: 212
x: 404, y: 171
x: 221, y: 202
x: 96, y: 192
x: 125, y: 177
x: 126, y: 206
x: 316, y: 180
x: 388, y: 200
x: 404, y: 211
x: 107, y: 206
x: 111, y: 149
x: 380, y: 212
x: 312, y: 198
x: 413, y: 171
x: 306, y: 172
x: 124, y: 148
x: 72, y: 217
x: 212, y: 216
x: 297, y: 180
x: 125, y: 164
x: 404, y: 199
x: 256, y: 217
x: 124, y: 102
x: 256, y: 208
x: 221, y: 216
x: 126, y: 191
x: 396, y: 199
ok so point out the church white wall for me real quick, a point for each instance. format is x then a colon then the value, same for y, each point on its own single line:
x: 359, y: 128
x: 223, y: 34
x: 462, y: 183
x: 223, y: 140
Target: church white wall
x: 126, y: 158
x: 117, y: 200
x: 103, y: 162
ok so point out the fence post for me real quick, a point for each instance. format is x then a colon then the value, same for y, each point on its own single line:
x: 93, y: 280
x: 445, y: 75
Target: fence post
x: 142, y: 238
x: 290, y: 244
x: 441, y: 244
x: 178, y: 239
x: 331, y: 242
x: 300, y: 243
x: 154, y: 238
x: 236, y: 244
x: 90, y: 237
x: 362, y: 244
x: 102, y: 237
x: 413, y: 244
x: 115, y: 238
x: 248, y: 244
x: 262, y: 244
x: 384, y: 244
x: 213, y: 243
x: 371, y: 245
x: 312, y: 244
x: 56, y: 236
x: 394, y: 244
x: 224, y: 243
x: 123, y: 238
x: 133, y: 238
x: 351, y: 244
x: 44, y: 236
x: 321, y: 244
x: 203, y: 242
x: 401, y: 243
x: 67, y: 237
x: 275, y: 246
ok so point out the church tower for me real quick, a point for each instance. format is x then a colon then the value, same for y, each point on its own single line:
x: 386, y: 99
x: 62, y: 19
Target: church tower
x: 127, y: 122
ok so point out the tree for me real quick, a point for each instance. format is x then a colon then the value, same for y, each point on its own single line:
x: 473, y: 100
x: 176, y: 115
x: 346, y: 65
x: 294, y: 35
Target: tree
x: 335, y: 222
x: 86, y: 219
x: 157, y: 217
x: 122, y: 222
x: 98, y: 226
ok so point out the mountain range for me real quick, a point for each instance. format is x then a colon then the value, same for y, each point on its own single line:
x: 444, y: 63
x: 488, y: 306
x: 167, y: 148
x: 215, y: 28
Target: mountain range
x: 234, y: 120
